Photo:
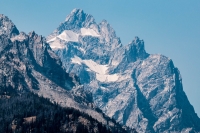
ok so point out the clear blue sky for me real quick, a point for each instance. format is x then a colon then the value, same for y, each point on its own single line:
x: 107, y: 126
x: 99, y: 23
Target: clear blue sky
x: 170, y: 27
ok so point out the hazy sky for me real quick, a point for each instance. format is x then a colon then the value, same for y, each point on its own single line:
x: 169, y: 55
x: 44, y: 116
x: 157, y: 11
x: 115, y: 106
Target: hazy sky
x: 170, y: 27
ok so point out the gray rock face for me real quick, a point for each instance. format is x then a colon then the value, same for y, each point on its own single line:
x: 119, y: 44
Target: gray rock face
x: 140, y: 90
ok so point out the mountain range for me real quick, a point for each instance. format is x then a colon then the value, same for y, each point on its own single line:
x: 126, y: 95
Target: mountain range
x: 83, y: 65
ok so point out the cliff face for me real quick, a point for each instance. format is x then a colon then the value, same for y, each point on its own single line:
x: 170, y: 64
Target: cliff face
x: 138, y: 89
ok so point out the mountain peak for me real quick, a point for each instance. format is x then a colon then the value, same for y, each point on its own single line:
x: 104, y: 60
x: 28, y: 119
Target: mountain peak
x: 7, y: 27
x: 75, y: 12
x: 137, y: 39
x: 108, y: 32
x: 78, y: 16
x: 104, y: 21
x: 80, y: 23
x: 3, y: 16
x: 75, y: 20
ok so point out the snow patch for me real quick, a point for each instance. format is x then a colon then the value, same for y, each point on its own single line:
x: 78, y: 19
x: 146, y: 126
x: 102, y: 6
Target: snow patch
x: 115, y: 63
x: 83, y: 50
x: 77, y: 60
x: 100, y: 70
x: 107, y: 78
x: 66, y: 35
x: 57, y: 44
x: 51, y: 40
x: 80, y: 49
x: 88, y: 32
x: 97, y: 68
x: 69, y: 35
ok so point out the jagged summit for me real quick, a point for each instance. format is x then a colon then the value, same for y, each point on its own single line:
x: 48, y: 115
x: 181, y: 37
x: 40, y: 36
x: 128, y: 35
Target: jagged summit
x: 7, y: 27
x: 79, y: 14
x: 78, y: 19
x: 77, y: 23
x: 107, y: 32
x: 79, y: 27
x: 75, y: 12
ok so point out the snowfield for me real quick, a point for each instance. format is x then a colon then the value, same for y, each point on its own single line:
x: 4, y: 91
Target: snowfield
x: 100, y: 70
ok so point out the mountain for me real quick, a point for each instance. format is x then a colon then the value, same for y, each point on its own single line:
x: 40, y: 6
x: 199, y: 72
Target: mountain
x: 140, y: 90
x: 28, y: 65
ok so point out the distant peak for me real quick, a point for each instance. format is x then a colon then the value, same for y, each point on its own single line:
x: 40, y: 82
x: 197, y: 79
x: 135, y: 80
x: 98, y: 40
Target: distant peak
x: 104, y: 21
x: 137, y: 39
x: 1, y: 16
x: 79, y: 14
x: 7, y: 27
x: 32, y: 33
x: 75, y: 20
x: 76, y: 10
x: 4, y: 18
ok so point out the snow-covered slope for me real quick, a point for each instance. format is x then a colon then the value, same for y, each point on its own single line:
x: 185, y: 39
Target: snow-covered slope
x: 138, y: 89
x: 100, y: 70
